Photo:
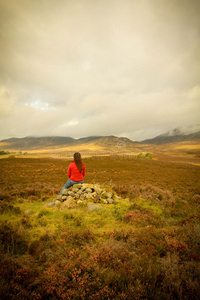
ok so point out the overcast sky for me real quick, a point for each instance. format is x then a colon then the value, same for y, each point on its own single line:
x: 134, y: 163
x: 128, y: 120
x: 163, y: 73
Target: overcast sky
x: 99, y: 67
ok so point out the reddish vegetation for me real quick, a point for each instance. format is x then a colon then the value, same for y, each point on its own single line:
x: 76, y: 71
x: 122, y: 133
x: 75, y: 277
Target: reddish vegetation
x: 45, y: 177
x: 151, y: 255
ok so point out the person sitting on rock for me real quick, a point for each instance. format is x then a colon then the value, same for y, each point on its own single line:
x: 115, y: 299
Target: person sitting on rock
x: 76, y: 172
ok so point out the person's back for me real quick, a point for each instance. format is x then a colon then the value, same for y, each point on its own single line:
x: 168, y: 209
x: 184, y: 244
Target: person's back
x: 76, y: 172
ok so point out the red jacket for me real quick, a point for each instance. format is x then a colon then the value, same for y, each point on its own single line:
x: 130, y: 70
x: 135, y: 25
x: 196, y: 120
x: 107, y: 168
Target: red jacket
x: 74, y: 173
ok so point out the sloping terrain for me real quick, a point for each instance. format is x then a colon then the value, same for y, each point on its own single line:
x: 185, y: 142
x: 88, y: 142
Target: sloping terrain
x: 33, y: 143
x: 167, y: 138
x: 30, y: 143
x: 96, y: 146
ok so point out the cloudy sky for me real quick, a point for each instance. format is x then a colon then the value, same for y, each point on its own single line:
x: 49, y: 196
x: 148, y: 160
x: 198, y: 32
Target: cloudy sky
x: 99, y: 67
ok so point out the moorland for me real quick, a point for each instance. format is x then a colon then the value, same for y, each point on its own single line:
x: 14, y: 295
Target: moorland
x: 145, y: 247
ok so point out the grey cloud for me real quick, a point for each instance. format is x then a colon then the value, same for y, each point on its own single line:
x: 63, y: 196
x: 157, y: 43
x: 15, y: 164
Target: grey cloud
x: 99, y: 67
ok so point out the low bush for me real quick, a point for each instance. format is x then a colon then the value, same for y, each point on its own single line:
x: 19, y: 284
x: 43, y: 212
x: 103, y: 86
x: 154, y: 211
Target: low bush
x: 12, y: 241
x: 6, y: 207
x: 78, y: 237
x: 17, y: 280
x: 142, y: 218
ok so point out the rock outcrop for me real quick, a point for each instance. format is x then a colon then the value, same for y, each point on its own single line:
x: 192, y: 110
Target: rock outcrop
x: 89, y: 195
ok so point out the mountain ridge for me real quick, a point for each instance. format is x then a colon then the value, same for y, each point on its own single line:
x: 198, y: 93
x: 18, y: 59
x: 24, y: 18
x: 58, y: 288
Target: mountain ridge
x: 172, y: 138
x: 33, y: 142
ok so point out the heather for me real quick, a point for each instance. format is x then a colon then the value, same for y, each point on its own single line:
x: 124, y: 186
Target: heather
x: 145, y: 246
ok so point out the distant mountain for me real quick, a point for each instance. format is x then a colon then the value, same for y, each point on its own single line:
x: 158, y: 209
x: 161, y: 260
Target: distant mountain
x: 173, y: 137
x: 120, y: 142
x: 88, y: 139
x: 28, y: 143
x: 33, y: 143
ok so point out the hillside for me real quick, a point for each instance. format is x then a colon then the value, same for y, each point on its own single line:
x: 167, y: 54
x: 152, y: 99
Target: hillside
x: 169, y: 143
x: 28, y: 143
x: 33, y: 143
x: 120, y: 142
x: 173, y: 138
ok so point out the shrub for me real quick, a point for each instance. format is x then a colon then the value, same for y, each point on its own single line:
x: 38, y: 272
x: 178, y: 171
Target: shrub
x: 78, y: 237
x: 5, y: 196
x: 11, y: 240
x: 11, y: 156
x: 38, y: 247
x: 43, y: 212
x: 5, y: 207
x: 25, y: 221
x: 17, y: 280
x: 180, y: 279
x: 121, y: 235
x: 196, y: 198
x: 142, y: 218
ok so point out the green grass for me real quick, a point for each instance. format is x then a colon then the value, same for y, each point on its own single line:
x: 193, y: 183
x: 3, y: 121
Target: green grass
x: 141, y: 203
x: 43, y: 218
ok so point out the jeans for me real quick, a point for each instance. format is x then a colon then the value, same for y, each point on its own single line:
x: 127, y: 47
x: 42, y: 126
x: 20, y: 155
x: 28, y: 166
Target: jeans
x: 69, y: 183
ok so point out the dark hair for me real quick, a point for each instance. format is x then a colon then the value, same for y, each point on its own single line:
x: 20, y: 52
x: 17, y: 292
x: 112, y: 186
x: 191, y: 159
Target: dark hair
x: 78, y: 161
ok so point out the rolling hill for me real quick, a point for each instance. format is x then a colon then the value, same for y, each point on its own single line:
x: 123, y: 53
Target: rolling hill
x: 34, y: 143
x: 29, y: 143
x: 172, y: 138
x: 105, y: 142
